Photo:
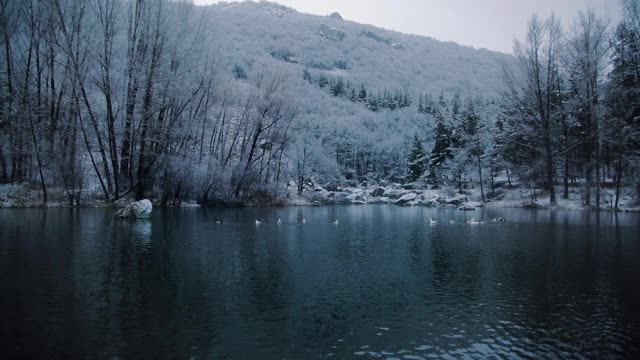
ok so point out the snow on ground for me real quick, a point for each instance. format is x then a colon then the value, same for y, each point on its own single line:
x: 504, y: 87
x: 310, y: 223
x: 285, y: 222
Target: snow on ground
x: 16, y: 196
x: 472, y: 198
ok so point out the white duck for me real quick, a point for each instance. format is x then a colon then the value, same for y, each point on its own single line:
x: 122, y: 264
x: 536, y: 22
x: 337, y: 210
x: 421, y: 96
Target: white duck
x: 432, y: 222
x: 304, y: 221
x: 336, y: 222
x: 452, y: 222
x: 473, y: 221
x: 279, y: 222
x: 258, y: 222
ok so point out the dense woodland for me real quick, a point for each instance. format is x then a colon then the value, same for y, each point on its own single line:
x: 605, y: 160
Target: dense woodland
x: 125, y: 98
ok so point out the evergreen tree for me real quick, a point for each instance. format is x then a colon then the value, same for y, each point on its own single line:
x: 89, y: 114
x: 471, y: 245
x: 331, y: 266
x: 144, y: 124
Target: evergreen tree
x: 442, y: 102
x: 623, y: 103
x: 406, y: 100
x: 306, y: 75
x: 322, y: 81
x: 337, y: 88
x: 372, y: 104
x: 455, y: 106
x: 392, y: 102
x: 238, y: 72
x: 420, y: 106
x: 385, y: 103
x: 353, y: 97
x: 362, y: 95
x: 417, y: 161
x: 429, y: 106
x: 441, y: 150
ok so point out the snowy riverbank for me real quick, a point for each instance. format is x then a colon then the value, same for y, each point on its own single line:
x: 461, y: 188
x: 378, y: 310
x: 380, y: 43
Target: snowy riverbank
x: 407, y: 195
x: 24, y: 196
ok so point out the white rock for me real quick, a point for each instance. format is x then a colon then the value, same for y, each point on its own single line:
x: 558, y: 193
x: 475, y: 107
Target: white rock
x: 394, y: 193
x: 406, y: 199
x: 142, y: 209
x: 138, y: 210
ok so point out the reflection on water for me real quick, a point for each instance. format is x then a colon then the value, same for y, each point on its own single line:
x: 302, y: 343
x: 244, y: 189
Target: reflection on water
x: 381, y: 284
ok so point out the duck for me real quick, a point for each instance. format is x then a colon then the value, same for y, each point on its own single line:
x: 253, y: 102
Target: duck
x: 258, y: 222
x: 304, y: 221
x: 218, y: 221
x: 498, y: 219
x: 452, y: 222
x: 432, y: 222
x: 336, y: 222
x: 473, y: 221
x: 279, y: 222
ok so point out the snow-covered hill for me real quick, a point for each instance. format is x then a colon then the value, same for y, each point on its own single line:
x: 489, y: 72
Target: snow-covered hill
x: 250, y: 33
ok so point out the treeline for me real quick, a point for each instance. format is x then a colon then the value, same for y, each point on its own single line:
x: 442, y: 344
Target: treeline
x: 465, y: 145
x: 336, y: 86
x: 116, y: 98
x: 569, y: 115
x: 109, y: 98
x: 572, y: 111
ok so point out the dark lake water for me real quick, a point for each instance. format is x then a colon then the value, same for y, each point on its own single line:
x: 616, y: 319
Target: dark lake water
x: 383, y: 283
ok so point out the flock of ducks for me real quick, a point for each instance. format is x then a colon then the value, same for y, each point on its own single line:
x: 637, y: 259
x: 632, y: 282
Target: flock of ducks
x: 471, y: 221
x: 279, y: 222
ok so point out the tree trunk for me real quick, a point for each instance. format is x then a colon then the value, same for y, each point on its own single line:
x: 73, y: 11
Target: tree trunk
x: 618, y: 179
x: 566, y: 177
x: 549, y: 166
x: 587, y: 184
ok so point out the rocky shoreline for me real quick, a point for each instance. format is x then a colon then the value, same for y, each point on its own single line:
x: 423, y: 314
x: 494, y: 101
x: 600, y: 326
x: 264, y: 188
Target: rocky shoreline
x: 408, y: 195
x: 392, y: 194
x: 16, y: 196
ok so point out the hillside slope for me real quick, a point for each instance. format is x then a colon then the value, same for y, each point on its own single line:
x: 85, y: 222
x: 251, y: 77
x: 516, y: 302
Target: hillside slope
x: 247, y: 33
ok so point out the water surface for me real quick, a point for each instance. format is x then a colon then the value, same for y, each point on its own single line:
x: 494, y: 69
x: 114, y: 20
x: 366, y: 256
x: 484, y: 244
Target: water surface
x: 382, y: 283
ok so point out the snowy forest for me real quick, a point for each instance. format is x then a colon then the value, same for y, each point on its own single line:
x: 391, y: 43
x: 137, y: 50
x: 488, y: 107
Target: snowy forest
x: 103, y: 100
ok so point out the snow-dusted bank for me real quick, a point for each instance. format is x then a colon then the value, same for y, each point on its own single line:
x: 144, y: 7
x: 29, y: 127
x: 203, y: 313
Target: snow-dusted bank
x: 17, y: 196
x: 408, y: 195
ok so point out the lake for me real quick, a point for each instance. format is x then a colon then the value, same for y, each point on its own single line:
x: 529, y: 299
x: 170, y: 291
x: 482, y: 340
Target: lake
x: 383, y: 283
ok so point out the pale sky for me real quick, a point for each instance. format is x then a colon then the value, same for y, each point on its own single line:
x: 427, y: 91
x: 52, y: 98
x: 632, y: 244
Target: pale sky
x: 491, y: 24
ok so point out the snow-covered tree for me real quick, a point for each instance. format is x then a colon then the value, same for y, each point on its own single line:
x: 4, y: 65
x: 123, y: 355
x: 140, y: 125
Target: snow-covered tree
x: 417, y: 160
x: 531, y: 104
x: 588, y: 51
x: 441, y: 152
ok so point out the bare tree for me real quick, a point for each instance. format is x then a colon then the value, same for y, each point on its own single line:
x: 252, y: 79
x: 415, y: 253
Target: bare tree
x: 588, y: 51
x: 535, y: 94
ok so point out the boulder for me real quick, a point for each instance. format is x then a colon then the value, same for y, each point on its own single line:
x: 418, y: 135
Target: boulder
x: 331, y: 187
x: 137, y: 210
x: 405, y: 199
x: 394, y: 193
x: 416, y: 202
x: 457, y: 200
x: 466, y: 207
x: 475, y: 204
x: 341, y: 198
x: 318, y: 196
x: 379, y: 200
x: 356, y: 199
x: 433, y: 202
x: 378, y: 192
